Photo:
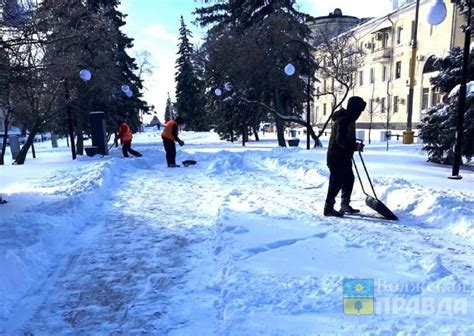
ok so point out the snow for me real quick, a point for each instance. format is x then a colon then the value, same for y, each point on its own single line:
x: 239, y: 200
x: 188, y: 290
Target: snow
x: 236, y: 245
x: 469, y: 89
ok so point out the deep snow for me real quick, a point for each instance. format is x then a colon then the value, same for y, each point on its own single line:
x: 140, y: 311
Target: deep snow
x: 236, y: 245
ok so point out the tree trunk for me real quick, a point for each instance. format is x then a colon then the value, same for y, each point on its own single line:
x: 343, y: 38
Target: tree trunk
x: 280, y: 125
x: 5, y: 138
x: 21, y: 158
x: 245, y: 134
x: 54, y: 140
x: 79, y: 136
x: 255, y: 133
x: 79, y: 143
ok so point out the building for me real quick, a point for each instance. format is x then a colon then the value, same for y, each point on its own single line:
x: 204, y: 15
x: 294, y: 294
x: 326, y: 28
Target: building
x: 333, y: 24
x: 383, y: 78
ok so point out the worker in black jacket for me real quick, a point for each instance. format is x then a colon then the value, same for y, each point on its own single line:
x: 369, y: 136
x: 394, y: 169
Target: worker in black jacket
x: 342, y: 146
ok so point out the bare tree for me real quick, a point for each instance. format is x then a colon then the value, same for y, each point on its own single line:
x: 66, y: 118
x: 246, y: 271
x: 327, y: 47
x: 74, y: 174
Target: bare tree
x: 339, y: 58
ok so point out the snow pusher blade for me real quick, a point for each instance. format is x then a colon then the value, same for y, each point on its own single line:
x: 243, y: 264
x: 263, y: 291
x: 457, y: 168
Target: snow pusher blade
x: 379, y: 207
x: 372, y: 201
x: 188, y: 163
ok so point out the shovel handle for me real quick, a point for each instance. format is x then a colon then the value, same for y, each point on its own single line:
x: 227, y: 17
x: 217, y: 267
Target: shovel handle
x: 360, y: 180
x: 367, y: 173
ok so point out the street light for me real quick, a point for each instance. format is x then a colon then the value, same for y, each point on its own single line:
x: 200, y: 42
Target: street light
x: 290, y: 71
x: 436, y: 16
x: 437, y: 13
x: 228, y: 87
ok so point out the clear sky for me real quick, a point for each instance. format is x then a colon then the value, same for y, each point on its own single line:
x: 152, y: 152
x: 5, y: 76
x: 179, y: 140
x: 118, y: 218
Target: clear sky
x: 154, y: 25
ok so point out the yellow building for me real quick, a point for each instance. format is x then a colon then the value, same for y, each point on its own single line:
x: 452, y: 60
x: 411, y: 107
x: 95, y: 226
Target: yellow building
x: 383, y: 78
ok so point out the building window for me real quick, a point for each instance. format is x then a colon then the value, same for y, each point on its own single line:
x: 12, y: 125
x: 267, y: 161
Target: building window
x: 371, y: 106
x: 396, y: 102
x: 384, y: 73
x: 399, y: 35
x: 385, y: 40
x: 382, y: 105
x: 435, y: 96
x: 398, y: 70
x: 372, y: 45
x: 372, y: 76
x: 425, y: 98
x: 318, y: 92
x: 361, y: 78
x: 324, y: 109
x: 324, y: 86
x: 412, y: 32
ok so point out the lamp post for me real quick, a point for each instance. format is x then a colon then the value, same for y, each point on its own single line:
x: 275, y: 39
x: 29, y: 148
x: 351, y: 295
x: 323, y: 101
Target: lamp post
x: 228, y: 87
x: 290, y: 71
x: 408, y: 134
x: 436, y: 16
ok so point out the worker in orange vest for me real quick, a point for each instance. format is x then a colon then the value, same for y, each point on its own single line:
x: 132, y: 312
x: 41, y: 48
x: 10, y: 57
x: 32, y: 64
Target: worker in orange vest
x: 125, y: 136
x: 170, y: 136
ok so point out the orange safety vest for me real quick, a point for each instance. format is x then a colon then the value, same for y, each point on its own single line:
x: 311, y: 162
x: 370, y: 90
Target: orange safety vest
x: 168, y: 131
x: 125, y: 133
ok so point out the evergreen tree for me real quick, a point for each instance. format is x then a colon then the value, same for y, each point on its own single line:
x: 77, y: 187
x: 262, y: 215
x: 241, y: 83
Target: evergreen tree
x: 189, y: 89
x: 244, y: 46
x: 125, y: 108
x: 437, y: 129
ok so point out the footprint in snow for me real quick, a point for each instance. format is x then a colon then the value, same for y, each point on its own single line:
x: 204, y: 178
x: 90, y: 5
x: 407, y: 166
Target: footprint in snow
x: 235, y: 229
x: 250, y: 252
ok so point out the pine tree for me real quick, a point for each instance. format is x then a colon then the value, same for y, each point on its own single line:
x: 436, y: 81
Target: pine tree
x: 437, y: 129
x: 244, y: 46
x: 189, y: 89
x: 124, y: 108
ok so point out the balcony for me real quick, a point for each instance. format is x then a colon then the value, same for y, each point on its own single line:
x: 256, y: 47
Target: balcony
x: 382, y: 55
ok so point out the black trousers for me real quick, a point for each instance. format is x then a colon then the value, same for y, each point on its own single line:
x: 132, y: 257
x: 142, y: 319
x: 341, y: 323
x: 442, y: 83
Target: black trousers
x: 170, y: 149
x: 127, y: 148
x: 341, y: 179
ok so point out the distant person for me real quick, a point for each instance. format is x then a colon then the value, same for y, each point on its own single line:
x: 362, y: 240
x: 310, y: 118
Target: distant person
x: 170, y: 136
x: 125, y: 136
x: 342, y: 146
x: 2, y: 201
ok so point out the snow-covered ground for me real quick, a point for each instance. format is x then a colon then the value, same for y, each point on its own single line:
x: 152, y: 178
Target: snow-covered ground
x: 236, y: 245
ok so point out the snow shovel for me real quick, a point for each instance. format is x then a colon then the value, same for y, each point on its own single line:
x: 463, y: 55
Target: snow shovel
x: 372, y: 201
x: 188, y: 163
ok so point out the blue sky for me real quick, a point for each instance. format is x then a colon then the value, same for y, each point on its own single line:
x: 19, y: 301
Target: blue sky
x: 154, y: 25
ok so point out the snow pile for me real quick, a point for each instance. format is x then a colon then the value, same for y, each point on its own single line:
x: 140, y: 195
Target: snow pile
x: 227, y: 163
x: 307, y: 171
x: 41, y: 234
x: 453, y: 211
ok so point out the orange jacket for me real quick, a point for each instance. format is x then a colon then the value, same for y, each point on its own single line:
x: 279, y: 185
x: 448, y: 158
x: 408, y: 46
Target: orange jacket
x: 125, y: 134
x: 168, y: 131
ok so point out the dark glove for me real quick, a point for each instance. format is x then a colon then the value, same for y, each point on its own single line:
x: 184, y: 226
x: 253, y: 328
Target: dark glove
x: 359, y: 147
x: 181, y: 143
